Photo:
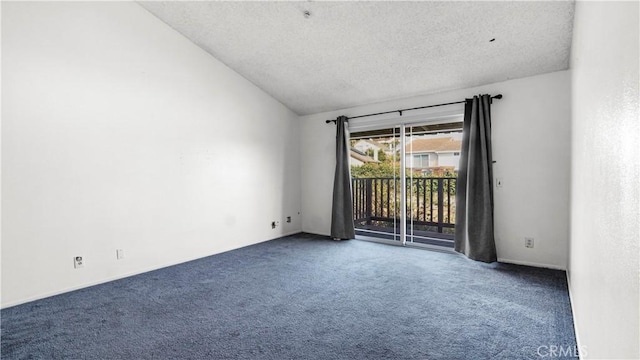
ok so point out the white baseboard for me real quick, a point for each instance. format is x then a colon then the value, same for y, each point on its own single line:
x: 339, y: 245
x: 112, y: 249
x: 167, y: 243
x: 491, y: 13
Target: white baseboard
x: 534, y: 264
x: 316, y: 233
x: 573, y: 313
x: 126, y: 275
x: 284, y: 235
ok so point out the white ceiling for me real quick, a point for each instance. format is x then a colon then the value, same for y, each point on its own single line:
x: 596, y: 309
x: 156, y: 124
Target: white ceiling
x: 353, y: 53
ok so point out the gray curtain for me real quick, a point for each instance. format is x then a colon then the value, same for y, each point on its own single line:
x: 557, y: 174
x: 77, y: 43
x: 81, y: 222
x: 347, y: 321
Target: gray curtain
x: 342, y: 213
x: 474, y: 196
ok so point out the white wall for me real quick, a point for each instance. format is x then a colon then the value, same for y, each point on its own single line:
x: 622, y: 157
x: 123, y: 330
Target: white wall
x: 531, y: 134
x: 605, y: 195
x: 118, y: 133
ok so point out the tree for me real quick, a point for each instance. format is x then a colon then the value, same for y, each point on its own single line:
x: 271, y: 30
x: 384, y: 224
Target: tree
x: 385, y: 169
x: 382, y: 156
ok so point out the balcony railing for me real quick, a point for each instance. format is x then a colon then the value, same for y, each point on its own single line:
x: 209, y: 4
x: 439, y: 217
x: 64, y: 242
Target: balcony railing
x: 430, y: 204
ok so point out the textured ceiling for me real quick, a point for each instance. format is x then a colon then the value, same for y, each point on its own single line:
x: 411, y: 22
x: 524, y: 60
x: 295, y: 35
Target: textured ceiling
x: 353, y: 53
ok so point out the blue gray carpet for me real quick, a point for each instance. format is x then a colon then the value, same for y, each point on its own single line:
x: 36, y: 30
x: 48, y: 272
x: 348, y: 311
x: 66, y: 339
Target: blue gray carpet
x: 304, y: 297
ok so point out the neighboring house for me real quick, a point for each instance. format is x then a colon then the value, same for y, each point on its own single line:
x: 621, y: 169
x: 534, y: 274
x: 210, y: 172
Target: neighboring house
x: 359, y: 158
x: 430, y: 154
x: 389, y: 145
x: 364, y: 145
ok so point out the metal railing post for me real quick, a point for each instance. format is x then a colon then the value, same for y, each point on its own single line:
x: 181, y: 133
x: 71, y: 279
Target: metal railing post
x: 368, y: 200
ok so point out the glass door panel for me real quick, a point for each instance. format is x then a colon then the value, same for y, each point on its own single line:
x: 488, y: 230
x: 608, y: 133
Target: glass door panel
x: 431, y: 159
x: 375, y: 176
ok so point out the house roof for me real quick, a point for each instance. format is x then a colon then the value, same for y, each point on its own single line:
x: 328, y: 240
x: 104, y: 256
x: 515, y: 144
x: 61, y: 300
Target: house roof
x: 372, y: 142
x: 358, y: 155
x: 443, y: 144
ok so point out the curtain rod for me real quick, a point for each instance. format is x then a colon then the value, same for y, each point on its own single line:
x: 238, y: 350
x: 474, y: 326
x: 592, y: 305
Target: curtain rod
x: 499, y: 96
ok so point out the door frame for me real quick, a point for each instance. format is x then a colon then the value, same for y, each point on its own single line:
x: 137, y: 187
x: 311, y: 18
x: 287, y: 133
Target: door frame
x: 433, y: 118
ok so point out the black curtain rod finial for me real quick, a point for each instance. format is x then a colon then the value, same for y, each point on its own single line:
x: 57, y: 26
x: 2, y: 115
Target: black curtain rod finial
x: 335, y: 121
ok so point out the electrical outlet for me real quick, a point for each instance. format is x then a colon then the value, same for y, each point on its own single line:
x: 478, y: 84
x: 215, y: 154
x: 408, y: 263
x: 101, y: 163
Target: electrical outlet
x: 119, y: 254
x: 273, y: 224
x: 499, y: 182
x: 288, y: 219
x: 528, y: 242
x: 78, y: 262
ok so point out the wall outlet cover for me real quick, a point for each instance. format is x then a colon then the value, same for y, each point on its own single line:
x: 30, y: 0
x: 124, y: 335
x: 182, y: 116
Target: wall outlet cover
x: 78, y: 262
x: 528, y: 242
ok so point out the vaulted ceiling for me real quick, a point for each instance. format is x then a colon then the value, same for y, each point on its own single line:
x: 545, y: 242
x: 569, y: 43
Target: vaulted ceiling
x: 343, y: 54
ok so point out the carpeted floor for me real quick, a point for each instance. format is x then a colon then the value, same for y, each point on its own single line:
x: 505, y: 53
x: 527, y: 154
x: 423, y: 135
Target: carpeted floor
x: 304, y: 297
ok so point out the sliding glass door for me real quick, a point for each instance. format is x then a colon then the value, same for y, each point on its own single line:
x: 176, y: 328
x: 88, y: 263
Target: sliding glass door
x: 404, y: 181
